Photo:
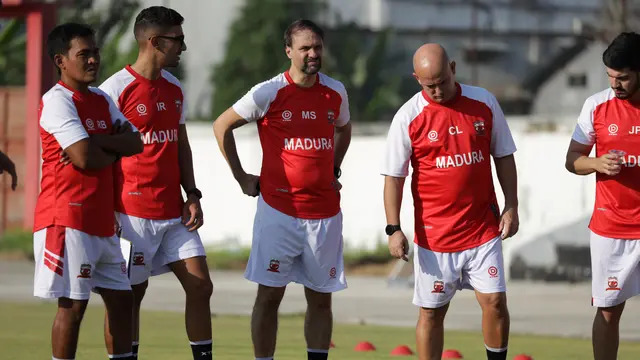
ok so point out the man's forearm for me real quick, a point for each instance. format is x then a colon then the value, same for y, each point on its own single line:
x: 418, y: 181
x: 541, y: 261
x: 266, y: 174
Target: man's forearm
x: 579, y: 163
x: 97, y: 158
x: 227, y: 145
x: 508, y: 178
x: 341, y: 142
x: 125, y: 144
x: 185, y: 161
x: 393, y: 187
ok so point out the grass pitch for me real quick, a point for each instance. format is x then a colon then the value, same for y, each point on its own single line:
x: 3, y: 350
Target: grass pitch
x: 25, y: 334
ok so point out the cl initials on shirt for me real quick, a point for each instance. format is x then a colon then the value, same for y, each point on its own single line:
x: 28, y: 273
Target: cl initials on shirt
x: 160, y: 106
x: 453, y: 130
x: 635, y: 130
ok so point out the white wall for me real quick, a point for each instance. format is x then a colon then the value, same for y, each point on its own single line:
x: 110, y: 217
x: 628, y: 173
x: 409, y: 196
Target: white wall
x: 549, y: 195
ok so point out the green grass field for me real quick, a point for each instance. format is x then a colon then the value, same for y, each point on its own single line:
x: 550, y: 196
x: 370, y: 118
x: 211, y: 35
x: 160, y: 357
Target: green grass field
x: 25, y: 334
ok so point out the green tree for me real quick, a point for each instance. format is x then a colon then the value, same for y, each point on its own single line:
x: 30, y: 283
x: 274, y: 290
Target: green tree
x: 361, y: 60
x: 368, y: 69
x: 112, y: 34
x: 255, y: 48
x: 12, y: 52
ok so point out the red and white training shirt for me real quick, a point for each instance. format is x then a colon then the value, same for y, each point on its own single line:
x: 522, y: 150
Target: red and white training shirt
x: 449, y: 146
x: 148, y: 184
x: 296, y: 128
x: 71, y: 197
x: 613, y: 124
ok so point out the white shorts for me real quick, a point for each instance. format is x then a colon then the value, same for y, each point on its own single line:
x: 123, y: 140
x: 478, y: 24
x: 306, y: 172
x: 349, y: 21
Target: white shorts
x: 150, y: 245
x: 305, y: 251
x: 439, y: 275
x: 615, y: 270
x: 70, y: 263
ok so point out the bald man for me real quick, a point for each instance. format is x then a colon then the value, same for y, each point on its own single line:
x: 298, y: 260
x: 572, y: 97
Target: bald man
x: 447, y: 132
x: 159, y: 227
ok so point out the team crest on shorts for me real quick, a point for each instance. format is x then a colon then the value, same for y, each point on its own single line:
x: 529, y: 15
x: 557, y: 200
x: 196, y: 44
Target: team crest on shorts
x: 331, y: 117
x: 332, y: 273
x: 438, y: 287
x: 138, y: 258
x: 493, y: 272
x: 178, y: 105
x: 479, y: 126
x: 274, y: 265
x: 123, y: 267
x: 85, y: 271
x: 612, y: 283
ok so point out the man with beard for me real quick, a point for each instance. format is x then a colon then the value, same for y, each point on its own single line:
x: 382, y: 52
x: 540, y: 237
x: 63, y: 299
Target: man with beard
x: 160, y: 227
x: 303, y: 122
x: 609, y: 120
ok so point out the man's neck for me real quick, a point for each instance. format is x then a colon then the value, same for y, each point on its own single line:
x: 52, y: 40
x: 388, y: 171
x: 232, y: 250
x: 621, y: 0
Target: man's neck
x: 75, y: 85
x: 147, y: 68
x: 635, y: 98
x: 301, y: 79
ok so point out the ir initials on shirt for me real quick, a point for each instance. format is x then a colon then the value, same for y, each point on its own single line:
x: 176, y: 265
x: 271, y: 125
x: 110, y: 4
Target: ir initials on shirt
x: 635, y: 130
x: 453, y: 130
x: 161, y: 106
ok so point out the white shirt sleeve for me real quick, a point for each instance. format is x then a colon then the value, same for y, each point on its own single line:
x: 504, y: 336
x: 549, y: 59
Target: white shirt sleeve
x: 398, y: 147
x: 584, y: 132
x: 502, y: 143
x: 254, y: 104
x: 345, y: 115
x: 109, y: 88
x: 59, y: 117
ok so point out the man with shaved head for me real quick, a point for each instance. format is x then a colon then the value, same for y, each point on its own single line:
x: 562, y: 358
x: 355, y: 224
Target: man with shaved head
x: 447, y: 132
x: 159, y: 228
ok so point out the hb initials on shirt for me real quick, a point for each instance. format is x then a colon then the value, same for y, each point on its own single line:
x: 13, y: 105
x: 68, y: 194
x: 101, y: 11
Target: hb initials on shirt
x: 96, y: 126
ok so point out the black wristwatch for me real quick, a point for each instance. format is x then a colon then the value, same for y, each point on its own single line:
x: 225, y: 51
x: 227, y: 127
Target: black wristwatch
x: 195, y: 192
x: 390, y: 229
x: 337, y: 172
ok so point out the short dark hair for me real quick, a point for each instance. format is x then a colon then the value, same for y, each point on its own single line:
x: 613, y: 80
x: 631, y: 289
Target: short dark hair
x: 623, y: 52
x: 300, y: 25
x: 156, y: 16
x: 59, y: 39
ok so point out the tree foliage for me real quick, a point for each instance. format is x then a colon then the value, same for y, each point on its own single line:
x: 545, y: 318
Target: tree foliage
x: 255, y: 47
x: 112, y: 34
x: 360, y: 59
x: 12, y: 52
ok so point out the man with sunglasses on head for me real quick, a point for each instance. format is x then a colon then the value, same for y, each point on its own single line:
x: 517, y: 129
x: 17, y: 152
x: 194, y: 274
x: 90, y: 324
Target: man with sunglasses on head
x: 158, y: 228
